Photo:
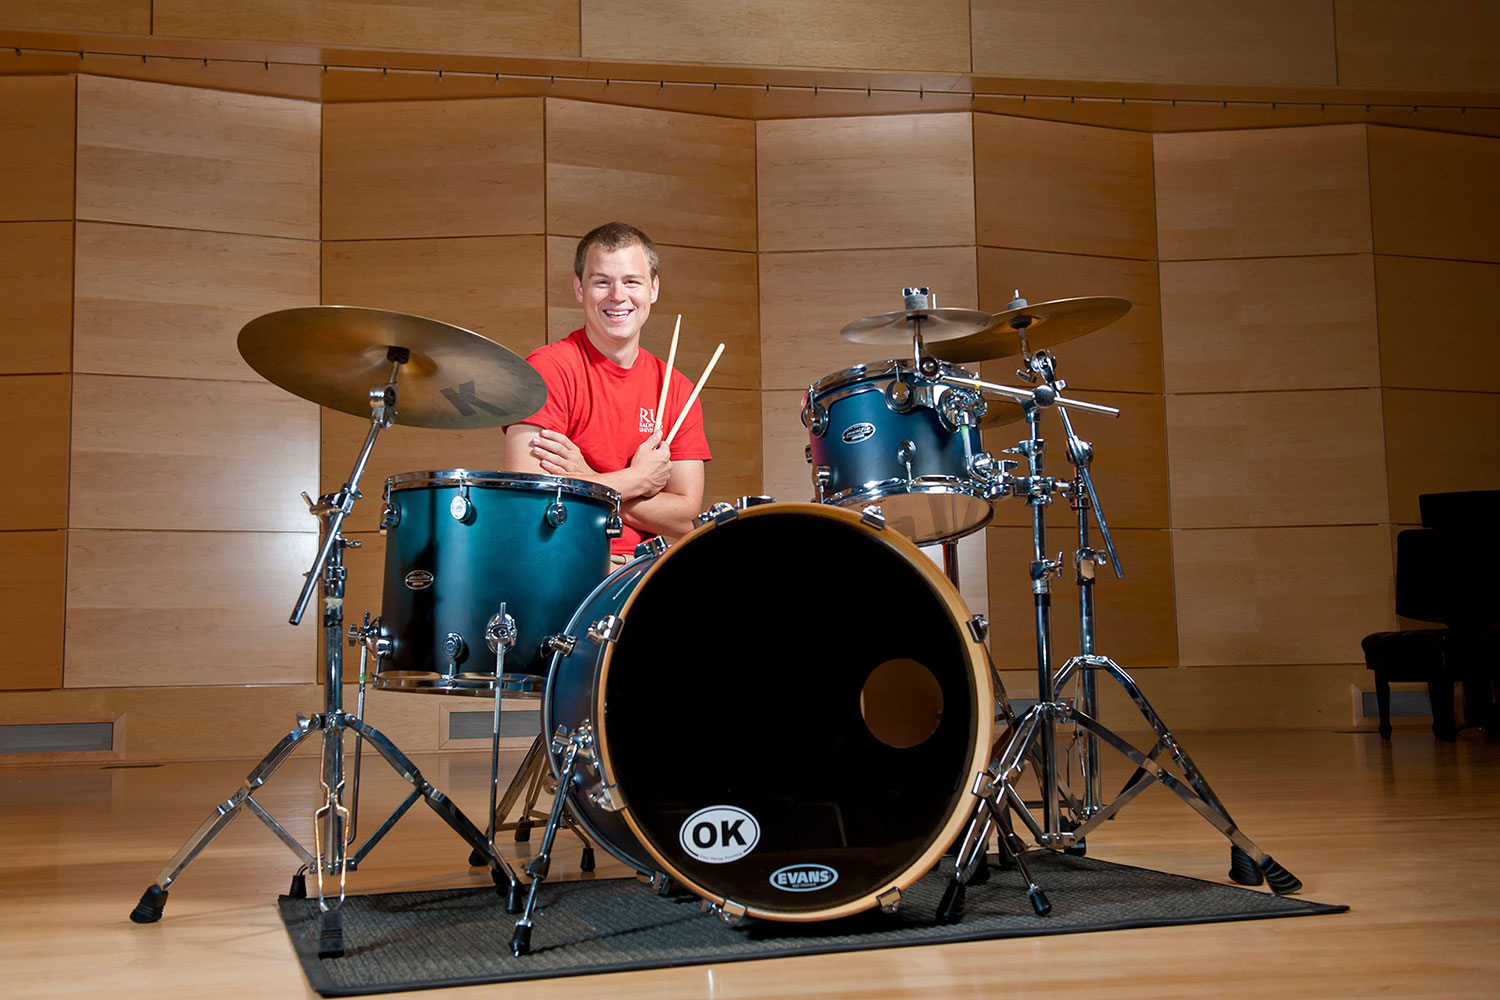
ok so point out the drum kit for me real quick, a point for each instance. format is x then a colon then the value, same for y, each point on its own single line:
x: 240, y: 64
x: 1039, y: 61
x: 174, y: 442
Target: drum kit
x: 783, y: 740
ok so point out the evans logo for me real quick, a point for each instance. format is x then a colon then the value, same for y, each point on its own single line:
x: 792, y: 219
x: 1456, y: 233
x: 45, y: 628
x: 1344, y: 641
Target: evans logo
x: 855, y: 433
x: 418, y: 579
x: 719, y: 834
x: 803, y: 878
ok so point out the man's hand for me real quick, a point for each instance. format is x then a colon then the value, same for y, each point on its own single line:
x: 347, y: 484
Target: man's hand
x: 558, y: 455
x: 652, y: 462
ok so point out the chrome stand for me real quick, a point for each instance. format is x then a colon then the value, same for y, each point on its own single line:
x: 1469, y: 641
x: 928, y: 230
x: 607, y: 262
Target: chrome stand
x: 332, y: 829
x: 1032, y: 738
x: 575, y: 747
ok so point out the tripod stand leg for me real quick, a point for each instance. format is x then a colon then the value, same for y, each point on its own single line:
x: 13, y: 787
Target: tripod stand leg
x: 1206, y: 805
x: 950, y: 908
x: 438, y: 802
x: 1011, y: 844
x: 520, y: 942
x: 154, y: 899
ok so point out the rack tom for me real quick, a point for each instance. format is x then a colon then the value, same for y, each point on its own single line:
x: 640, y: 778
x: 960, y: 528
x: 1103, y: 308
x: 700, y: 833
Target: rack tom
x: 886, y: 434
x: 458, y: 544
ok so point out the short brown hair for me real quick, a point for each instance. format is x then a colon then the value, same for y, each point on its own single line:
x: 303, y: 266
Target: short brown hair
x: 614, y: 236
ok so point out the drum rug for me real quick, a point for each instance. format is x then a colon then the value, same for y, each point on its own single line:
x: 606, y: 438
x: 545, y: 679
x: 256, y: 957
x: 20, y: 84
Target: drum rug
x: 458, y: 937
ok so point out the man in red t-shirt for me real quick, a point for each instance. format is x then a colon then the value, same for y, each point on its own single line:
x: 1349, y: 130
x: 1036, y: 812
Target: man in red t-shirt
x: 600, y: 421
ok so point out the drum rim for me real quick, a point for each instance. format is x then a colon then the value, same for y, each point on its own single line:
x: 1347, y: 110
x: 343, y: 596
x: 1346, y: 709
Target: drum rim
x: 981, y: 734
x: 879, y: 490
x: 547, y: 717
x: 521, y: 480
x: 878, y: 369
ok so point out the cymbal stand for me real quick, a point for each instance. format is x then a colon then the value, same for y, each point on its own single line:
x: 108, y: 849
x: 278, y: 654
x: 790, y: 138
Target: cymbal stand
x: 331, y: 827
x: 1033, y: 737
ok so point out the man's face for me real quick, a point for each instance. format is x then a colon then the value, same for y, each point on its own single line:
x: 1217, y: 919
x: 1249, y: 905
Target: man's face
x: 616, y: 291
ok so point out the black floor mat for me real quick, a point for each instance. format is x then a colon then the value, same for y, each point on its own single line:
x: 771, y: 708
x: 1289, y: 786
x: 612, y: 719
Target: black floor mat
x: 457, y: 937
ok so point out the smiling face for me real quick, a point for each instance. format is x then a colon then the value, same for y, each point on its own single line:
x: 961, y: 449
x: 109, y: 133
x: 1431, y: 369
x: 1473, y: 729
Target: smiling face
x: 616, y: 291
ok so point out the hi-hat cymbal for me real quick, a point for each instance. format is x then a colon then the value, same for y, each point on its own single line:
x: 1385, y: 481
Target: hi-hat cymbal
x: 333, y: 355
x: 894, y: 329
x: 1044, y: 325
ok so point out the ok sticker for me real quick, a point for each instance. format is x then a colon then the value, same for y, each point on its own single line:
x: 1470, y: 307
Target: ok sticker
x: 719, y: 834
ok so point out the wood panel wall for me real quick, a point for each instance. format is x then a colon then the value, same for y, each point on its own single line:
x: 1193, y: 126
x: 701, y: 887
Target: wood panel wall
x: 159, y: 533
x: 1305, y: 353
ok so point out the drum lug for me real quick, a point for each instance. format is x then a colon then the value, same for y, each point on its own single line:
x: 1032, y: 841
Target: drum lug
x: 560, y: 644
x: 606, y: 629
x: 606, y: 797
x: 614, y: 527
x: 901, y: 396
x: 653, y: 546
x: 557, y: 514
x: 905, y: 453
x: 822, y: 479
x: 728, y: 911
x: 461, y: 507
x: 814, y: 415
x: 454, y: 648
x: 979, y: 627
x: 389, y: 517
x: 718, y: 513
x: 500, y: 631
x: 889, y: 900
x: 873, y: 516
x: 807, y: 453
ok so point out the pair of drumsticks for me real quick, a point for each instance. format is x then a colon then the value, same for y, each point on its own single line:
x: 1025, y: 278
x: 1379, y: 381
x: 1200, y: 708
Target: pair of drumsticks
x: 667, y: 380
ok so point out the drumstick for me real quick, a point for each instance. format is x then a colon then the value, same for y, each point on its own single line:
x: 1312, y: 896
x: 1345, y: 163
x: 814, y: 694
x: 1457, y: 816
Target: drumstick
x: 666, y: 378
x: 702, y: 381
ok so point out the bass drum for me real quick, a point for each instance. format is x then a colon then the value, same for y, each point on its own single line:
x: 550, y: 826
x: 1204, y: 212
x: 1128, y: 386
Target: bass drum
x: 789, y: 711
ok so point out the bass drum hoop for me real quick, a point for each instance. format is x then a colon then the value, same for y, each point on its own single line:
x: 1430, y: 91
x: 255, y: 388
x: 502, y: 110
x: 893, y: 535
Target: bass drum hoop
x: 576, y: 627
x: 979, y: 750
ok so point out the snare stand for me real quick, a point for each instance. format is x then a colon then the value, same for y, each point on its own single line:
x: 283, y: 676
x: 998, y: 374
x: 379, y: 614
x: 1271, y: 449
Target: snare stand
x: 1033, y: 736
x: 332, y: 830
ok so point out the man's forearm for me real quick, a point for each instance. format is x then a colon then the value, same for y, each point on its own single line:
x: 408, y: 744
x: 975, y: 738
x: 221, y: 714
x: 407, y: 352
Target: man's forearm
x: 665, y: 513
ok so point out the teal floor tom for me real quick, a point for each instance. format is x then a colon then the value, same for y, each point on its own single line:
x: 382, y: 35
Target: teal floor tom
x: 459, y: 543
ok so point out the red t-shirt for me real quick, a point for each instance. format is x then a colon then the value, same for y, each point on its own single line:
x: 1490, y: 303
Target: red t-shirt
x: 607, y: 411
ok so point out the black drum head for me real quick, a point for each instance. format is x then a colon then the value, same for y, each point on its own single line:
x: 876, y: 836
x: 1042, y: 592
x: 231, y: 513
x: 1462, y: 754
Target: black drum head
x: 791, y: 711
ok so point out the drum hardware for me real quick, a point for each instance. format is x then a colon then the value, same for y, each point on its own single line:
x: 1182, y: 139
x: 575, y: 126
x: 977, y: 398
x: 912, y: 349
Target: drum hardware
x: 579, y: 744
x: 607, y: 742
x: 1032, y: 737
x: 296, y: 349
x: 717, y: 513
x: 460, y: 508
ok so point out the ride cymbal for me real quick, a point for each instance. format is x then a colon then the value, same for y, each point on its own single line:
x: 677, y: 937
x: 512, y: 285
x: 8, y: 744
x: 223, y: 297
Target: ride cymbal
x: 1044, y: 324
x: 333, y: 355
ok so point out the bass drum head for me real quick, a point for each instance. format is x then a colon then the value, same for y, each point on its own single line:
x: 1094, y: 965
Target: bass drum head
x: 793, y: 712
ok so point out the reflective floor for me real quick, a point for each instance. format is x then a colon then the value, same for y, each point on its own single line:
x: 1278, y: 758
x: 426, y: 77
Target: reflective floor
x: 1404, y: 832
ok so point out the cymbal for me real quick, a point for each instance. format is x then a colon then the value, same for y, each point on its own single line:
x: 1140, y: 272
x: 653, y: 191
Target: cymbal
x: 1045, y: 324
x: 333, y: 355
x: 895, y: 329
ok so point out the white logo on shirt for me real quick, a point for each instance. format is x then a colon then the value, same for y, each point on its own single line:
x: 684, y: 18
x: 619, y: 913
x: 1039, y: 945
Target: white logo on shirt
x: 648, y: 420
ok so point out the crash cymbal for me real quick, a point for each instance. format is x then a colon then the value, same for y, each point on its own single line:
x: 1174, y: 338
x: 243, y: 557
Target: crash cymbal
x: 895, y: 329
x: 1045, y: 324
x: 333, y: 355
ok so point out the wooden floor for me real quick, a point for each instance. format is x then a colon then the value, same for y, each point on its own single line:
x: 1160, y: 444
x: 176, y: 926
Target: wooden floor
x: 1405, y: 833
